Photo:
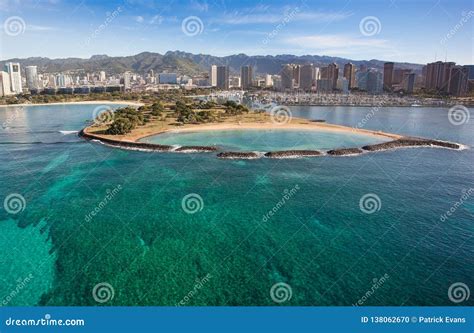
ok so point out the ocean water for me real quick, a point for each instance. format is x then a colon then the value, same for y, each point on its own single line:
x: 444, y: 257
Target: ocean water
x: 266, y: 140
x: 190, y: 229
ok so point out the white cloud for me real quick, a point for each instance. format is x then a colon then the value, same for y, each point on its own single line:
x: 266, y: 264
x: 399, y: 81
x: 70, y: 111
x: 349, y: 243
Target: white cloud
x: 336, y: 41
x: 297, y: 14
x: 139, y: 19
x: 156, y: 19
x: 32, y: 27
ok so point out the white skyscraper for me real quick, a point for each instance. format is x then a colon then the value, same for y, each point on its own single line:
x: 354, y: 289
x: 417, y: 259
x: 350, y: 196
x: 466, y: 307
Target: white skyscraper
x: 213, y: 75
x: 127, y: 76
x: 268, y: 80
x: 102, y: 76
x: 4, y: 84
x: 31, y: 77
x: 13, y: 69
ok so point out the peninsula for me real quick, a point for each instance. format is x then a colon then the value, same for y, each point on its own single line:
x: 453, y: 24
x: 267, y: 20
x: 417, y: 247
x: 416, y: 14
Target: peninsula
x: 125, y: 127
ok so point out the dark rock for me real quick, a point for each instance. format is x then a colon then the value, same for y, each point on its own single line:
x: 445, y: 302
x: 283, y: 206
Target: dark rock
x: 200, y: 149
x: 292, y: 153
x: 126, y: 144
x: 410, y: 142
x: 248, y: 155
x: 345, y: 151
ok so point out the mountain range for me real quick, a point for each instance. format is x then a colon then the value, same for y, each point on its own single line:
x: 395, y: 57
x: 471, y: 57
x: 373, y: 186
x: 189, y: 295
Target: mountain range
x: 188, y: 63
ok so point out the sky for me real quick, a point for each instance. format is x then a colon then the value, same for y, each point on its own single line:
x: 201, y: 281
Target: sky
x: 391, y: 30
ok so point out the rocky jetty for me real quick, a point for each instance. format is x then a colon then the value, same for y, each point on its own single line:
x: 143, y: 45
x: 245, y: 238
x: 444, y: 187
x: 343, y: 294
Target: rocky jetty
x: 345, y: 151
x: 411, y: 142
x: 292, y: 153
x: 241, y: 155
x: 195, y: 149
x: 127, y: 144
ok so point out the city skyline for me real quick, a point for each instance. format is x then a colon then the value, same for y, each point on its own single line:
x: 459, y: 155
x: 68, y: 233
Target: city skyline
x: 118, y: 28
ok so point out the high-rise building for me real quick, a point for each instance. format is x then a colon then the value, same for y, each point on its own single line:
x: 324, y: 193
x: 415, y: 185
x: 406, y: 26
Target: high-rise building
x: 287, y: 80
x: 458, y: 81
x: 213, y: 76
x: 349, y: 74
x: 399, y: 75
x: 235, y: 82
x: 306, y: 77
x: 5, y: 84
x: 167, y: 78
x: 13, y: 70
x: 324, y: 73
x: 102, y: 76
x: 438, y: 76
x: 268, y: 80
x: 375, y: 82
x: 388, y: 76
x: 31, y: 73
x: 127, y: 78
x: 222, y: 77
x: 296, y: 75
x: 246, y: 76
x: 333, y: 74
x: 409, y: 82
x: 361, y: 80
x: 317, y: 73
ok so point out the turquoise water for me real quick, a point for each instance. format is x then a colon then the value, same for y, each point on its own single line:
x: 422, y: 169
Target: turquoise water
x: 266, y: 140
x: 151, y: 251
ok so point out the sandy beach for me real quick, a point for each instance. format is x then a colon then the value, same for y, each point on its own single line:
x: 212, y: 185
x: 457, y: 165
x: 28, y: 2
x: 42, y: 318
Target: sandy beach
x: 295, y: 124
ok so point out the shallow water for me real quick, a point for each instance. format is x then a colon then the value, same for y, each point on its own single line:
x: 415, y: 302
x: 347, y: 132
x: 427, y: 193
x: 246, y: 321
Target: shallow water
x: 266, y: 140
x: 151, y: 251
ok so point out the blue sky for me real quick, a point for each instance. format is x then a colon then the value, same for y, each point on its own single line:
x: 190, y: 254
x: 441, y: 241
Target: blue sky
x: 397, y: 30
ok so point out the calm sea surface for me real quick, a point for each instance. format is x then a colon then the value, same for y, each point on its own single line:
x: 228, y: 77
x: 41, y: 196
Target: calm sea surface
x: 164, y: 228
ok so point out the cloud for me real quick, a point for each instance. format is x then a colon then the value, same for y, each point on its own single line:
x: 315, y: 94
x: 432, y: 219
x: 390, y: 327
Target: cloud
x: 156, y: 19
x: 32, y: 27
x: 296, y: 13
x: 200, y: 6
x: 139, y: 19
x: 336, y: 41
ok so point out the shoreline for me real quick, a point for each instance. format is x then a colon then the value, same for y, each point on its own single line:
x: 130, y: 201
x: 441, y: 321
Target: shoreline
x: 121, y: 102
x: 396, y: 142
x: 304, y: 125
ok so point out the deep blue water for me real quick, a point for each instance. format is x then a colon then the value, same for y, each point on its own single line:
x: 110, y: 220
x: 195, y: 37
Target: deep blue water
x: 319, y: 242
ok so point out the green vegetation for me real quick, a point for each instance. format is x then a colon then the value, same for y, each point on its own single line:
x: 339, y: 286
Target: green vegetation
x: 125, y: 120
x: 234, y: 109
x: 178, y: 113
